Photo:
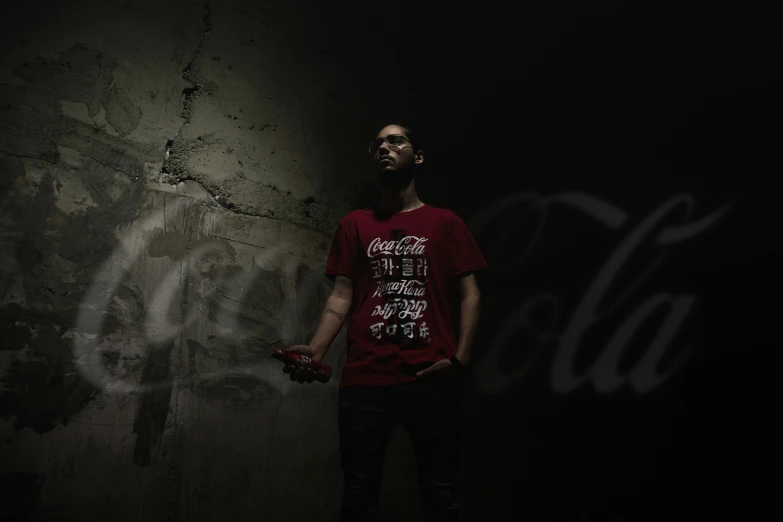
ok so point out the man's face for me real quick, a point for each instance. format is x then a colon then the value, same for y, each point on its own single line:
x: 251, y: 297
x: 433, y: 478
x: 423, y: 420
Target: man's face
x: 390, y: 158
x: 394, y: 163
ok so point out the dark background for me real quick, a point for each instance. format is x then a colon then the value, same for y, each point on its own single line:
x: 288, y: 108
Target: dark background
x: 631, y: 103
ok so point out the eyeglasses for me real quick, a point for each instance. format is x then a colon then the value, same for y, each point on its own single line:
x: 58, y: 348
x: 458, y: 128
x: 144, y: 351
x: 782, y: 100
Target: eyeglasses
x: 395, y: 142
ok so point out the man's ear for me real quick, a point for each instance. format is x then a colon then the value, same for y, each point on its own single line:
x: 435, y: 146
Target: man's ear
x: 419, y: 157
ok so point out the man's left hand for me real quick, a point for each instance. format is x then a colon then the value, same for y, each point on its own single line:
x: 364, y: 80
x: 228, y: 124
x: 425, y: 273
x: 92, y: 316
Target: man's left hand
x: 442, y: 368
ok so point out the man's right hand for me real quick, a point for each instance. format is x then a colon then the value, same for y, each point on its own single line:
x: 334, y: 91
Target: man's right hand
x: 298, y: 373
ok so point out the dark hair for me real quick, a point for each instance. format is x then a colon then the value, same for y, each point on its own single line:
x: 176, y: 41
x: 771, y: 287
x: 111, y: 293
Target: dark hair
x: 413, y: 134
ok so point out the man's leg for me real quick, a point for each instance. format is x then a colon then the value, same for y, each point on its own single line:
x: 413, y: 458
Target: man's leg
x: 433, y: 426
x: 366, y: 421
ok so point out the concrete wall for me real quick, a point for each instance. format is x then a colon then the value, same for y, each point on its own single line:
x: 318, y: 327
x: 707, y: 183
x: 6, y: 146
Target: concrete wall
x: 172, y: 173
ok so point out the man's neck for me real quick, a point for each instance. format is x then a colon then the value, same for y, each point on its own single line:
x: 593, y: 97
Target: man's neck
x: 395, y: 199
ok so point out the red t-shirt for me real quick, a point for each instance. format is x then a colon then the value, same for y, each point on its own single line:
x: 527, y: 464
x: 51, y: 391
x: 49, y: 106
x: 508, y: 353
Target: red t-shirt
x: 406, y: 301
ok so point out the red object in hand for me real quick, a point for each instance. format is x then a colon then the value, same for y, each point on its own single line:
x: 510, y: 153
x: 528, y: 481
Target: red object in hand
x: 322, y: 371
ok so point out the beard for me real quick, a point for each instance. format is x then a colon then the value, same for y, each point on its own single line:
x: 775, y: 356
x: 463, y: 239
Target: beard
x: 396, y: 178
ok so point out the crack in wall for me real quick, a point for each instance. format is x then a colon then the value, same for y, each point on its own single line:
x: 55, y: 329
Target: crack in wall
x: 190, y: 72
x: 174, y: 167
x: 264, y: 200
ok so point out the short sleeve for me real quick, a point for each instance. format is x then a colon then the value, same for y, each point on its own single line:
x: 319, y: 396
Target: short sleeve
x: 340, y: 261
x: 466, y: 254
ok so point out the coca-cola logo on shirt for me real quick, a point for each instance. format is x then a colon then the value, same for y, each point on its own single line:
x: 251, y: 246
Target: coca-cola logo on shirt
x: 408, y: 245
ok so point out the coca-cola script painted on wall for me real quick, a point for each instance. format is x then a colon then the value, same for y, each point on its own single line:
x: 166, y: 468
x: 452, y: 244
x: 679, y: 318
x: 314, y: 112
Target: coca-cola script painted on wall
x: 491, y: 375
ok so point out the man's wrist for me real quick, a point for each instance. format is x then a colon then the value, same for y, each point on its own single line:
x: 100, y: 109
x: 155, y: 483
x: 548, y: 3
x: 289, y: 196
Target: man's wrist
x: 318, y: 350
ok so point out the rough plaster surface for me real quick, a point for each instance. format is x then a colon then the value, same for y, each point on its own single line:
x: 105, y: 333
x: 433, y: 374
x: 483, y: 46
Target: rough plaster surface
x: 170, y: 178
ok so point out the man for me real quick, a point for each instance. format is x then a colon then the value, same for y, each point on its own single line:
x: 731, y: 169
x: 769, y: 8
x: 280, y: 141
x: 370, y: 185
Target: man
x: 404, y: 276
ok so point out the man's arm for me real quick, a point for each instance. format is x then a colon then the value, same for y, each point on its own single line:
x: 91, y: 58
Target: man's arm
x: 470, y: 305
x: 336, y: 309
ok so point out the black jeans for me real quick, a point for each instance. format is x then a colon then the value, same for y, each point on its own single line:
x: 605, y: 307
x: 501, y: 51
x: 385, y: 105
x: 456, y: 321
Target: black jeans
x: 367, y: 416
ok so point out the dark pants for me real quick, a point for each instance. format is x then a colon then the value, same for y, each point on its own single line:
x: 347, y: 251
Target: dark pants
x: 367, y: 416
